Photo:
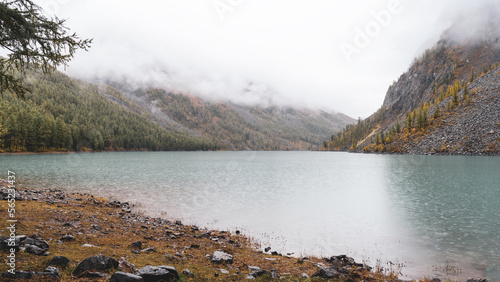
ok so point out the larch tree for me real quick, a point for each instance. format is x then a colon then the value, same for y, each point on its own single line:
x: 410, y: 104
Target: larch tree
x: 32, y: 39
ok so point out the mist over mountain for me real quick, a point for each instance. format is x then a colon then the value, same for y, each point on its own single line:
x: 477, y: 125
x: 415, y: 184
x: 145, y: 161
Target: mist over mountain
x: 237, y: 126
x: 448, y: 100
x: 285, y: 53
x: 65, y: 114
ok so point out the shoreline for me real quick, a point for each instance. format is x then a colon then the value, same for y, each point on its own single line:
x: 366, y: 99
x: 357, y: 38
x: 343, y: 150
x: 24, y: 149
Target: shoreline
x: 80, y: 225
x: 110, y: 228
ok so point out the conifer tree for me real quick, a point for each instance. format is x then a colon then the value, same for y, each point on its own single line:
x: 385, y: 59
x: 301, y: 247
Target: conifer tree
x: 32, y: 39
x: 436, y: 112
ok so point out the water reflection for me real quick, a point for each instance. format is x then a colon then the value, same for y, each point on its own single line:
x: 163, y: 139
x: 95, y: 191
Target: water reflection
x: 451, y: 204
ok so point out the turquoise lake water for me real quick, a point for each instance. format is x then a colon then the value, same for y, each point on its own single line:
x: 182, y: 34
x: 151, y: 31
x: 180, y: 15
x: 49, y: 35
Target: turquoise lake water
x: 437, y: 216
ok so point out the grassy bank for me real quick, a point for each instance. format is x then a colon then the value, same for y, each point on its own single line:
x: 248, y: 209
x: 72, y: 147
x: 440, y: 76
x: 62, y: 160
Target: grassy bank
x: 108, y: 228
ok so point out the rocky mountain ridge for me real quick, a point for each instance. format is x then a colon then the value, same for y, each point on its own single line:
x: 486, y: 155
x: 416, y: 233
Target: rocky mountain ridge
x: 446, y: 103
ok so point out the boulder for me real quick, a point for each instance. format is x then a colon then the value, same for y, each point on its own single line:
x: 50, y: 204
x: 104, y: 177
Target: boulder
x: 171, y: 258
x: 125, y: 265
x: 35, y: 250
x: 94, y: 275
x: 125, y: 277
x: 4, y: 243
x: 274, y: 274
x: 18, y: 275
x: 221, y: 257
x: 50, y: 271
x: 188, y: 273
x: 137, y: 245
x: 158, y: 273
x: 327, y: 273
x: 258, y: 273
x: 99, y: 263
x: 39, y: 242
x: 59, y: 261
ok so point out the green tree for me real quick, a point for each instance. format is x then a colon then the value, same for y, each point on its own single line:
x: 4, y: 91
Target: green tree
x: 436, y: 112
x: 32, y: 39
x: 466, y: 95
x: 472, y: 76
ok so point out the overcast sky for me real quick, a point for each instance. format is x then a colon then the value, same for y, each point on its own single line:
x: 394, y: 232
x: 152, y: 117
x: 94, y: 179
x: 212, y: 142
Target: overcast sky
x: 335, y: 55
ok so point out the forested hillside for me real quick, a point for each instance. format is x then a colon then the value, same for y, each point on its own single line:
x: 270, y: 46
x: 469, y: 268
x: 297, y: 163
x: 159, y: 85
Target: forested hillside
x: 238, y: 127
x: 64, y: 114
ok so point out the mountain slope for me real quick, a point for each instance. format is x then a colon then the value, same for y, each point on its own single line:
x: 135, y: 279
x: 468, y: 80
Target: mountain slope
x: 65, y: 114
x: 237, y: 127
x: 446, y: 103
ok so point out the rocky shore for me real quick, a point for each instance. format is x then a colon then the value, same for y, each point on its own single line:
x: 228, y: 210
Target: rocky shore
x: 79, y: 237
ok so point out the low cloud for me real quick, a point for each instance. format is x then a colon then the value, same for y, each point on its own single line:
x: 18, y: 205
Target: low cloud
x: 259, y: 52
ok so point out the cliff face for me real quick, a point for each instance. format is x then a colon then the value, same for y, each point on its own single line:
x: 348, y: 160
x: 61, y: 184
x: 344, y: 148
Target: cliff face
x: 470, y: 43
x: 446, y: 62
x: 446, y: 103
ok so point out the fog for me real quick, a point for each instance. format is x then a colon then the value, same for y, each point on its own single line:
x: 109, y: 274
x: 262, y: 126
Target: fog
x: 333, y: 55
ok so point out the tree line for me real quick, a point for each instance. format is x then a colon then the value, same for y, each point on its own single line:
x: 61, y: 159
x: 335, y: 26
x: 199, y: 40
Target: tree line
x: 63, y: 114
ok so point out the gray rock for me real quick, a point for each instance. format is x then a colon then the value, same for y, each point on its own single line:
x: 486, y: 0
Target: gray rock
x: 253, y: 268
x: 99, y: 263
x: 221, y: 257
x: 35, y: 250
x: 6, y: 242
x: 275, y: 274
x: 304, y: 276
x: 88, y: 246
x: 327, y: 273
x: 223, y: 271
x: 125, y: 265
x: 59, y: 261
x: 188, y: 273
x: 40, y: 243
x: 158, y: 273
x: 259, y: 273
x: 137, y: 244
x: 51, y: 271
x: 149, y: 250
x: 18, y: 275
x: 68, y: 238
x: 94, y: 274
x: 171, y: 258
x: 125, y: 277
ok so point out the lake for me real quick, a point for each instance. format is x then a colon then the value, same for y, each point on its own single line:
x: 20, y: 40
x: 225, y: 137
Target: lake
x: 434, y: 216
